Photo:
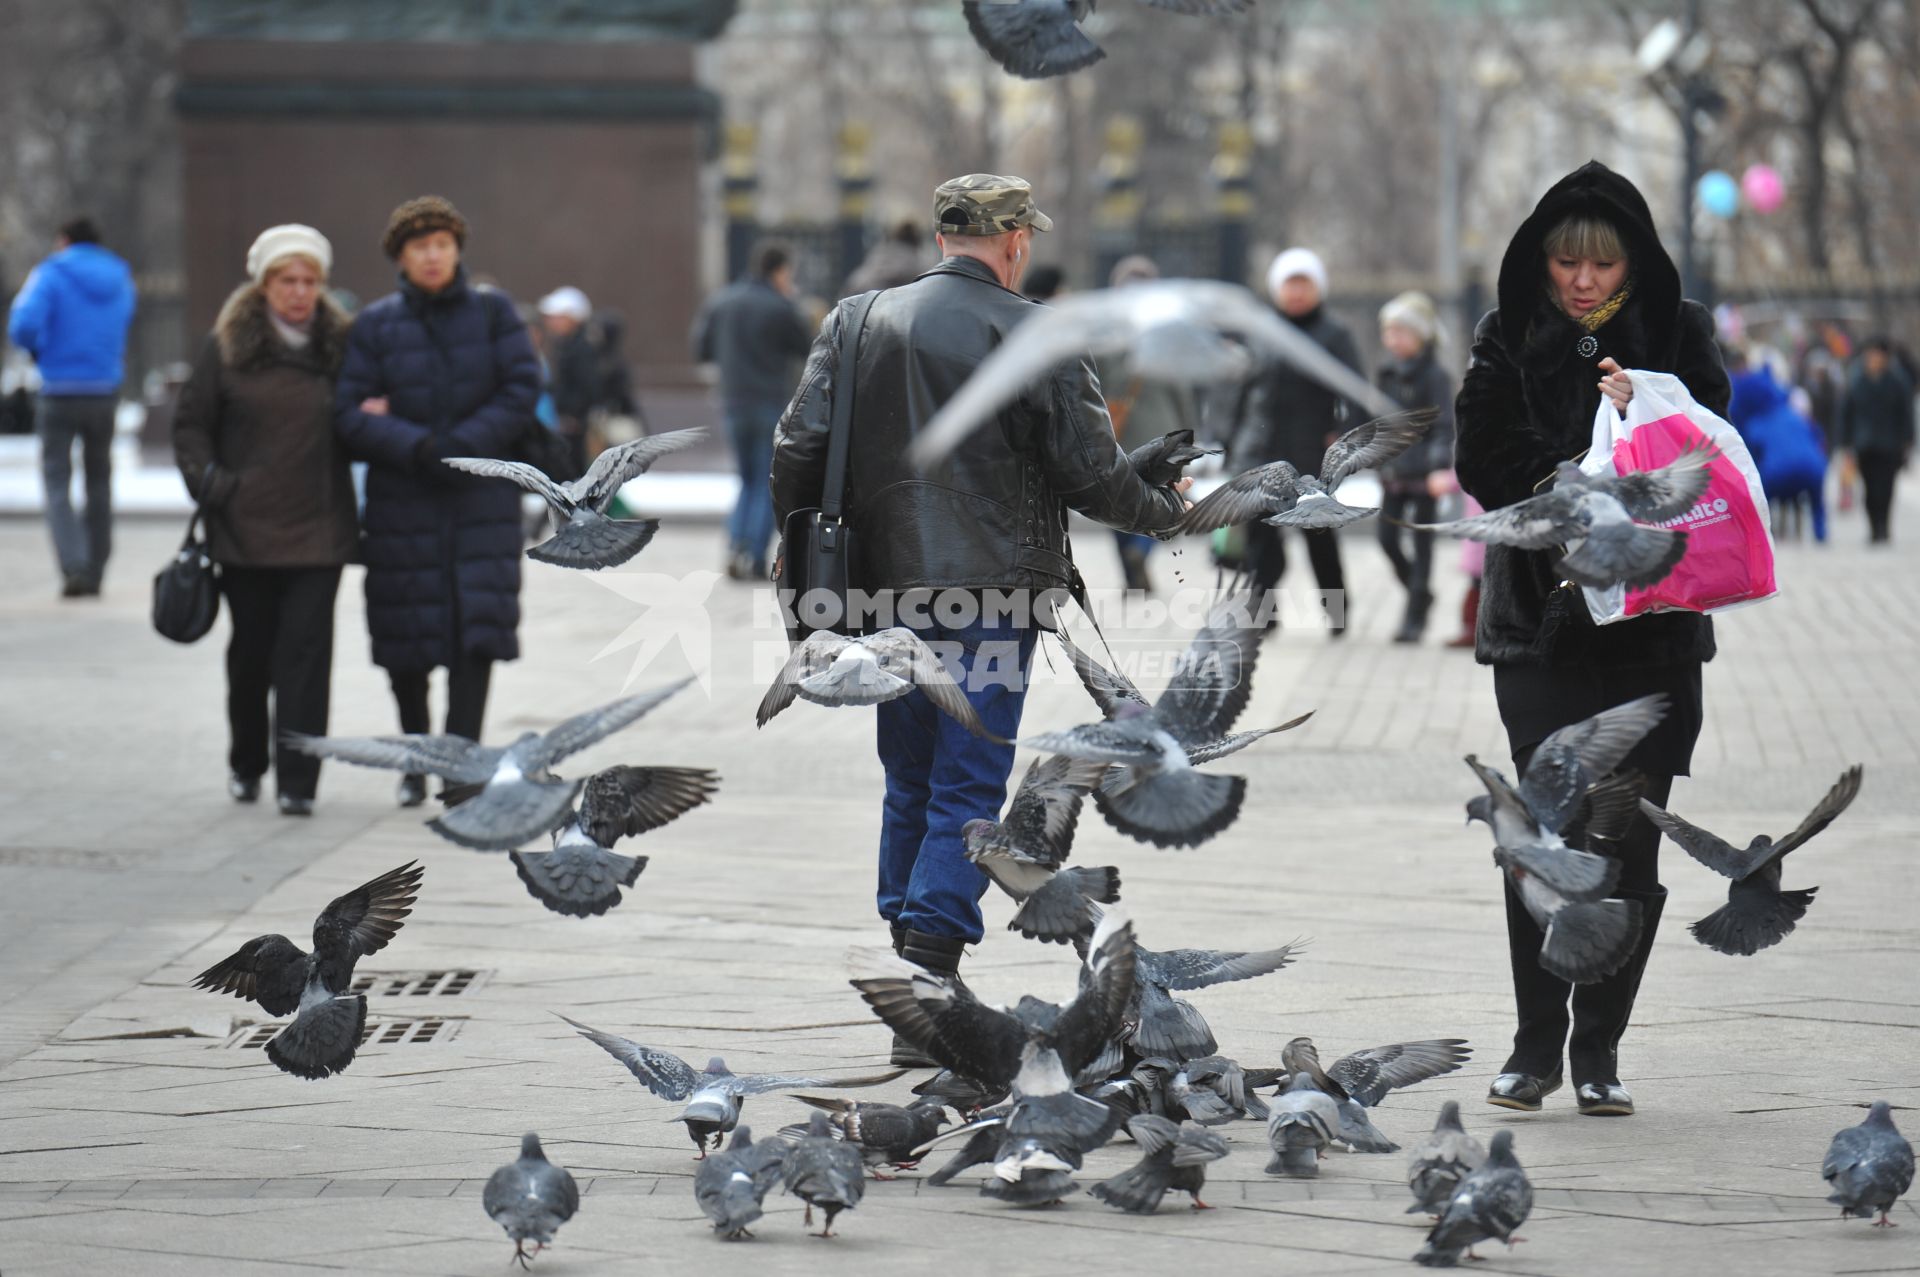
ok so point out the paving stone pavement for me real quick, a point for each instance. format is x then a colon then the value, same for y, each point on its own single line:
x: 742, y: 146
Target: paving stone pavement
x: 139, y: 1134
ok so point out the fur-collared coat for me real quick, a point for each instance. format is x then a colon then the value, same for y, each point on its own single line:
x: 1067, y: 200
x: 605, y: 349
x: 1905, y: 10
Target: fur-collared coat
x: 253, y: 436
x: 1528, y: 402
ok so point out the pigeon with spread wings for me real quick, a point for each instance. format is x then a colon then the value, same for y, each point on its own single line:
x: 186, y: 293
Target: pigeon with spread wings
x: 586, y: 537
x: 314, y: 987
x: 1025, y: 853
x: 1035, y: 39
x: 582, y: 875
x: 833, y: 670
x: 1278, y: 494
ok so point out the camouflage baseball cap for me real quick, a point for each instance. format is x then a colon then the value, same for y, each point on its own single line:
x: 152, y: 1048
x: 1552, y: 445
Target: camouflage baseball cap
x: 983, y: 204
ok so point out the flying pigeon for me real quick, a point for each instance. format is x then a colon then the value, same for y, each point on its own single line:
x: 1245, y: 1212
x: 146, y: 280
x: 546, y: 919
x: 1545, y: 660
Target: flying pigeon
x: 730, y: 1186
x: 1025, y: 852
x: 581, y: 877
x: 274, y: 972
x: 833, y: 670
x: 1758, y: 913
x: 824, y: 1171
x: 1035, y: 39
x: 520, y: 798
x: 1869, y: 1167
x: 883, y: 1134
x: 1488, y: 1206
x: 585, y: 536
x: 1564, y: 771
x: 530, y: 1198
x: 1280, y: 495
x: 713, y: 1096
x: 1601, y: 520
x: 1439, y: 1165
x: 1174, y: 1157
x: 1186, y: 331
x: 1303, y: 1122
x: 1157, y: 795
x: 1169, y: 1026
x: 1163, y: 462
x: 1359, y: 1081
x: 1587, y: 935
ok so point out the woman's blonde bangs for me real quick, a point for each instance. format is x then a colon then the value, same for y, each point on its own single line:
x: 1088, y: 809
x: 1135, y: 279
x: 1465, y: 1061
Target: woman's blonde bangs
x: 1586, y: 237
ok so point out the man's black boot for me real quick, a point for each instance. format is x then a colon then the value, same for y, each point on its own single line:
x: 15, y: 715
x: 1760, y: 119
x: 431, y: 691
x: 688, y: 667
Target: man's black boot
x: 940, y: 955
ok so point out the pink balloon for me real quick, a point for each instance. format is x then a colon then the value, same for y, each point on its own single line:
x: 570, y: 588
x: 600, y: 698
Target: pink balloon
x: 1763, y: 188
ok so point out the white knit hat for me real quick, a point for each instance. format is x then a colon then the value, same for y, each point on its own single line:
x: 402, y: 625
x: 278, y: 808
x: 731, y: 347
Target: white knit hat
x: 1297, y: 261
x: 1413, y: 311
x: 569, y: 301
x: 277, y: 242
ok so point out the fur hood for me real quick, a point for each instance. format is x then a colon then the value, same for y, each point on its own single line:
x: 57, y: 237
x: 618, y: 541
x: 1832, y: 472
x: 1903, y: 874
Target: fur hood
x: 247, y: 340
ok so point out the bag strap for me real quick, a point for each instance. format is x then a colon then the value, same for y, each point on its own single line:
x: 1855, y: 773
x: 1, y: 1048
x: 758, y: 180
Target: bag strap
x: 840, y: 440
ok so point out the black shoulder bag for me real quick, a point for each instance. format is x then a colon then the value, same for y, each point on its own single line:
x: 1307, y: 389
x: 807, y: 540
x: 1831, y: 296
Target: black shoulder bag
x: 186, y: 593
x: 817, y: 546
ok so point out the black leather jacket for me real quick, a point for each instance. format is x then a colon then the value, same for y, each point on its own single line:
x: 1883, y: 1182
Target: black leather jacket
x: 993, y: 513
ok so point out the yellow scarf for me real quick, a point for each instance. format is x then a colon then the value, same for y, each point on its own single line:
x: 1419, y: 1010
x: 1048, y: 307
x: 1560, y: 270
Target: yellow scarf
x: 1599, y: 315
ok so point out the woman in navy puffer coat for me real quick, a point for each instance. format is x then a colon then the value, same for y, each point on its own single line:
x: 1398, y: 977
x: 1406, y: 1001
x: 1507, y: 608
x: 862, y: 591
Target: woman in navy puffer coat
x: 440, y: 369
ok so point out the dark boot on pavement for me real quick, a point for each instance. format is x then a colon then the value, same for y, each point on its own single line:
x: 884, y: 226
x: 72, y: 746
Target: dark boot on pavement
x: 940, y: 955
x: 1533, y: 1071
x: 1414, y: 623
x: 1600, y: 1015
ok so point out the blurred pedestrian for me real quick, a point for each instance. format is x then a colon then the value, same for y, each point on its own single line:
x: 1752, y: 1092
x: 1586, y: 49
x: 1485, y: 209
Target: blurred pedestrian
x: 991, y: 516
x: 1876, y: 430
x: 441, y: 368
x: 1142, y: 411
x: 1785, y: 446
x: 1586, y: 290
x: 1044, y: 283
x: 1288, y: 416
x: 574, y: 375
x: 72, y: 315
x: 899, y: 258
x: 1413, y: 378
x: 755, y: 333
x: 253, y: 436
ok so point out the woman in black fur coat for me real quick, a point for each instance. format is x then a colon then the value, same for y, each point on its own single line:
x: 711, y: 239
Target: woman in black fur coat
x: 1585, y: 291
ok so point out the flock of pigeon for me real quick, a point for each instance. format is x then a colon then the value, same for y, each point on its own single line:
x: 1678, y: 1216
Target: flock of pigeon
x: 1038, y: 1085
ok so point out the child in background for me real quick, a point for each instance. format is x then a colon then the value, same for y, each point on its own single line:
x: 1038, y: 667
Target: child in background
x: 1413, y: 378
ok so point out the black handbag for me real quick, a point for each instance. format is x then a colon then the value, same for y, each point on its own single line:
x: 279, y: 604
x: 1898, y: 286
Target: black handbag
x: 186, y: 592
x: 817, y: 546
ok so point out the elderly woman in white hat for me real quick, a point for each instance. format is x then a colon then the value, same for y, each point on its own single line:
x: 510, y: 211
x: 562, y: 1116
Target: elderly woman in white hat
x: 254, y: 439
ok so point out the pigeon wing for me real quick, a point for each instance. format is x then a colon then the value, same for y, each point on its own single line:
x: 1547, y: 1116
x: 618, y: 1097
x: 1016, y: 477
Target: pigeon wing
x: 1046, y: 807
x: 1031, y: 38
x: 1153, y: 1132
x: 1099, y: 742
x: 1709, y: 849
x: 1213, y: 679
x: 453, y: 757
x: 762, y: 1083
x: 363, y: 920
x: 621, y: 802
x: 1578, y: 875
x: 529, y: 477
x: 1373, y: 443
x: 664, y: 1073
x: 1603, y: 742
x: 811, y: 656
x: 269, y: 970
x: 1837, y: 800
x: 1654, y: 496
x: 1234, y: 309
x: 1254, y: 494
x: 614, y: 467
x: 1110, y: 689
x: 1199, y: 968
x: 903, y: 654
x: 1538, y: 523
x: 1086, y: 1025
x: 1368, y: 1075
x: 582, y: 730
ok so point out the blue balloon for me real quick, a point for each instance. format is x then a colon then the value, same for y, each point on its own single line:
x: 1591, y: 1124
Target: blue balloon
x: 1718, y: 193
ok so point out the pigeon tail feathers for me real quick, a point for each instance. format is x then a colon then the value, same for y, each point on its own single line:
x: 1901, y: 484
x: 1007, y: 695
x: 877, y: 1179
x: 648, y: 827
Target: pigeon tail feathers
x: 1750, y: 921
x: 591, y: 541
x: 322, y: 1039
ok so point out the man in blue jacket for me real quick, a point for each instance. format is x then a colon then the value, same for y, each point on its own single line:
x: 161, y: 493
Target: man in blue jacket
x: 72, y: 316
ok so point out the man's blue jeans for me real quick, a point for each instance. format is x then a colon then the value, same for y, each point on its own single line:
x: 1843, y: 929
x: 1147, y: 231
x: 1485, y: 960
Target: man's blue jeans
x: 750, y: 429
x: 940, y: 776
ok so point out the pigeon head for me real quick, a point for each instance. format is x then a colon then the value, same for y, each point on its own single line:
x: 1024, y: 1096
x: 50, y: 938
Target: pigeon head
x: 1568, y: 475
x: 976, y: 834
x: 1302, y: 1082
x: 1500, y: 1151
x: 820, y: 1124
x: 717, y: 1067
x: 1480, y: 808
x: 927, y: 1102
x: 743, y: 1138
x: 530, y: 1147
x: 1450, y: 1116
x: 1881, y: 1114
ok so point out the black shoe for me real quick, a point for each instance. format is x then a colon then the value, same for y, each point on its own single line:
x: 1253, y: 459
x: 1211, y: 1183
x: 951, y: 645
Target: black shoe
x: 243, y: 789
x: 74, y: 587
x: 1603, y: 1099
x: 940, y: 955
x: 412, y: 790
x: 1522, y: 1092
x: 292, y: 806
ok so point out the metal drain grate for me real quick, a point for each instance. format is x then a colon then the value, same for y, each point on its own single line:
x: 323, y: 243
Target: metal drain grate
x: 376, y: 1033
x: 417, y: 984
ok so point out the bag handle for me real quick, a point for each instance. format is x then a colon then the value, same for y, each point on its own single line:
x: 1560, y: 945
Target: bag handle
x: 840, y: 440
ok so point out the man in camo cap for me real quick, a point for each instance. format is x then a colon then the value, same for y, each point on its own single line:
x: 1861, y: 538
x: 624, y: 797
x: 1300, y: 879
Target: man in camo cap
x: 991, y: 516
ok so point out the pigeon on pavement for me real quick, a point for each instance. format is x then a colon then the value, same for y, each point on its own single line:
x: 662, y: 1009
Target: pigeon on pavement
x: 1226, y: 1079
x: 585, y: 537
x: 1447, y: 1157
x: 730, y: 1185
x: 1303, y: 1122
x: 1603, y: 521
x: 1173, y: 1157
x: 1758, y: 914
x: 712, y: 1096
x: 1869, y: 1167
x: 1184, y: 331
x: 1163, y: 462
x: 1360, y: 1081
x: 833, y: 670
x: 1035, y: 39
x: 530, y: 1198
x: 581, y: 877
x: 1488, y: 1206
x: 520, y: 799
x: 883, y: 1134
x: 1168, y: 1026
x: 824, y: 1171
x: 276, y: 973
x: 1278, y: 494
x: 1025, y: 852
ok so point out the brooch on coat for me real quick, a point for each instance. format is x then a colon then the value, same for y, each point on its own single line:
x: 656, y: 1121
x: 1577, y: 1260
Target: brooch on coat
x: 1587, y: 347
